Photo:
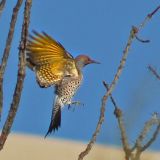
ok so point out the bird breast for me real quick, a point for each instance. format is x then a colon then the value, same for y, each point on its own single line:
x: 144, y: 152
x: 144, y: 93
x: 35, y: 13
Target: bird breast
x: 67, y: 89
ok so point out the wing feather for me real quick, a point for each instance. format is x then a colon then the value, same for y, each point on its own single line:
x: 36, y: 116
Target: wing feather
x: 49, y: 59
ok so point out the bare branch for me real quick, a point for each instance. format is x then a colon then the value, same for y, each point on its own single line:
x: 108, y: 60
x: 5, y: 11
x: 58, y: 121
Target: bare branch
x: 105, y: 97
x: 145, y: 130
x: 139, y: 147
x: 20, y: 77
x: 149, y: 16
x: 119, y: 116
x: 142, y: 40
x: 134, y: 31
x: 94, y: 136
x: 154, y: 72
x: 154, y: 12
x: 155, y: 120
x: 112, y: 99
x: 126, y: 147
x: 2, y: 4
x: 7, y: 48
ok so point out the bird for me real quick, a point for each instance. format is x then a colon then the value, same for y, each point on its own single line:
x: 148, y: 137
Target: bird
x: 55, y: 66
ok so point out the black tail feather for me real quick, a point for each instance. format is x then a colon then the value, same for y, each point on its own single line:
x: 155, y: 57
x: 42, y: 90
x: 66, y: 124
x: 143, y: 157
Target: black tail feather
x: 55, y: 122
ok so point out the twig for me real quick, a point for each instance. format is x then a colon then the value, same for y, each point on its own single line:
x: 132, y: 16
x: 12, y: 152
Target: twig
x: 126, y: 147
x: 155, y: 120
x: 98, y: 127
x: 142, y: 40
x: 20, y: 77
x: 148, y: 17
x: 152, y: 139
x: 146, y: 129
x: 2, y: 4
x: 154, y: 72
x: 154, y: 12
x: 111, y: 97
x: 119, y: 116
x: 7, y: 48
x: 132, y: 36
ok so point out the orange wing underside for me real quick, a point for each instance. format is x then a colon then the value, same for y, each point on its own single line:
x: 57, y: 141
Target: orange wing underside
x: 48, y: 59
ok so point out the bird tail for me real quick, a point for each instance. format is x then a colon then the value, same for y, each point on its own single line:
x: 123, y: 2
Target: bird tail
x: 55, y: 118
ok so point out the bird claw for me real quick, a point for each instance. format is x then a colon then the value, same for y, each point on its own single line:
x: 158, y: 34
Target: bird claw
x: 75, y: 103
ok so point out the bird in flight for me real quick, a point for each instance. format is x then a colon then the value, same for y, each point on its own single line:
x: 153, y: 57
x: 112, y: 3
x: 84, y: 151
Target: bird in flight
x: 53, y: 65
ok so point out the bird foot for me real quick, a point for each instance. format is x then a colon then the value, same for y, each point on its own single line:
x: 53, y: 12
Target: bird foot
x: 75, y: 103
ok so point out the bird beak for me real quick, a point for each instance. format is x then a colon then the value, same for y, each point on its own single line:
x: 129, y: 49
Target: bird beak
x: 93, y: 61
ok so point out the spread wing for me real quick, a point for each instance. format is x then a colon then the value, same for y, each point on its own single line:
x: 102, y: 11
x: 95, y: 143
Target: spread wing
x: 48, y: 59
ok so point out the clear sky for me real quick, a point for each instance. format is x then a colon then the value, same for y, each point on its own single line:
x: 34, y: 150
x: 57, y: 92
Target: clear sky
x: 99, y: 29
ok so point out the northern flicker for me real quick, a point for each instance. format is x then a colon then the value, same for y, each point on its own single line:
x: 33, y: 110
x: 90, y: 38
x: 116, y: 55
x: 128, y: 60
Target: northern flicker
x: 53, y: 65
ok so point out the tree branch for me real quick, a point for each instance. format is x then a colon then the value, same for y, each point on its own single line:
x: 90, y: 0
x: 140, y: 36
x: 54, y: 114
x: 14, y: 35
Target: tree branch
x: 7, y: 48
x: 155, y: 120
x: 2, y: 4
x: 134, y: 31
x: 119, y: 115
x: 153, y: 12
x: 105, y: 97
x: 20, y: 77
x: 142, y: 40
x: 154, y: 72
x: 139, y: 147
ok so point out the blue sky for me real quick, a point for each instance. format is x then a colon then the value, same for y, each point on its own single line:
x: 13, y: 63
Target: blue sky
x: 99, y: 29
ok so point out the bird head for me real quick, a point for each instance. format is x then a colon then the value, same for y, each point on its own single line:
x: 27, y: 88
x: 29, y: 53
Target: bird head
x: 83, y: 60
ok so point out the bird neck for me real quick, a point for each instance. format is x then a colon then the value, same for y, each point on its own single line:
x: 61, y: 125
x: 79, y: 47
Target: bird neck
x: 79, y: 65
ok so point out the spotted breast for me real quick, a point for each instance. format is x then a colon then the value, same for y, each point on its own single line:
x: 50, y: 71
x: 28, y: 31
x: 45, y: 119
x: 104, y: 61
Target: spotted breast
x: 67, y: 89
